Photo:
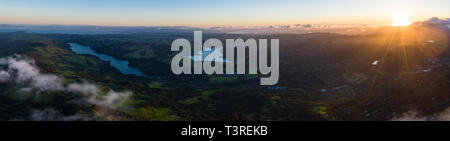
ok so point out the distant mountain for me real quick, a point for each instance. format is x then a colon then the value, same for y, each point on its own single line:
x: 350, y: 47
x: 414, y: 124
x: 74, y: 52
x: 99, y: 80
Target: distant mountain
x: 88, y: 29
x: 436, y: 22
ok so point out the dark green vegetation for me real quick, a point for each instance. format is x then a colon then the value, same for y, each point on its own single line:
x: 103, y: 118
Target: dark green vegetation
x: 323, y: 77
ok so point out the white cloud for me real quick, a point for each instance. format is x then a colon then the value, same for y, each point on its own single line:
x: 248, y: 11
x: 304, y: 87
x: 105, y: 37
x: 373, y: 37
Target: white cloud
x: 4, y: 76
x: 410, y: 116
x: 47, y: 82
x: 23, y: 71
x: 83, y: 88
x: 24, y: 68
x: 435, y: 21
x: 112, y: 99
x: 415, y: 116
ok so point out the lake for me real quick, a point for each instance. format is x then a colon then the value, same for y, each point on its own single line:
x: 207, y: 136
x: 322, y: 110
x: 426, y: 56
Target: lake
x: 121, y: 65
x: 201, y: 56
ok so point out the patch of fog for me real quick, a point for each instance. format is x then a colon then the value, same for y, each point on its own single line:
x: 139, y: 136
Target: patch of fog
x: 111, y: 100
x: 21, y: 70
x: 410, y: 116
x: 416, y: 116
x: 83, y: 88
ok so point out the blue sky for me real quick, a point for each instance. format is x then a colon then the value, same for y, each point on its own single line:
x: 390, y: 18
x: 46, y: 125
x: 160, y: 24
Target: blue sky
x: 215, y: 12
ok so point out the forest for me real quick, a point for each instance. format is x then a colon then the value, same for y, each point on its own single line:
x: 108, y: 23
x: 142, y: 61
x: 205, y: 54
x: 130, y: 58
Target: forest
x: 387, y: 75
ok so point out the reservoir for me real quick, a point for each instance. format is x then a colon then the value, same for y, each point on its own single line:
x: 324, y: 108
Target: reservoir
x: 121, y: 65
x: 201, y: 56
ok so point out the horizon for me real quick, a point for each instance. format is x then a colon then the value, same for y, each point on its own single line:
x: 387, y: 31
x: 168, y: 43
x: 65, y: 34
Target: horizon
x: 200, y: 13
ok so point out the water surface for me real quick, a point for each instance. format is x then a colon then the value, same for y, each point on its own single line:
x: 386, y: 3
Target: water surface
x: 121, y: 65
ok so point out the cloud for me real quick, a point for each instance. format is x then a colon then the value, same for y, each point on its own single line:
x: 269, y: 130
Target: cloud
x: 435, y: 21
x: 21, y: 70
x: 24, y: 68
x: 50, y: 114
x: 303, y: 26
x: 415, y: 116
x: 221, y: 27
x: 83, y: 88
x: 112, y: 99
x: 47, y: 82
x: 410, y: 116
x: 4, y: 76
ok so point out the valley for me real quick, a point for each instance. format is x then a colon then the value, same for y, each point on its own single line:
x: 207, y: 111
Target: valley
x: 323, y: 76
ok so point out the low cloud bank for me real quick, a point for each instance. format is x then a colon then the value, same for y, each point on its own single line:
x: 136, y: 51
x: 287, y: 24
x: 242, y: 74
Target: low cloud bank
x: 111, y: 100
x: 22, y: 71
x: 415, y: 116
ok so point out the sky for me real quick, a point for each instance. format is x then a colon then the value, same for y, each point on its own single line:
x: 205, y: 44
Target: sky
x: 201, y: 13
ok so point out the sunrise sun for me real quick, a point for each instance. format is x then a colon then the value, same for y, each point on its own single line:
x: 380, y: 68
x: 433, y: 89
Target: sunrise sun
x: 401, y: 19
